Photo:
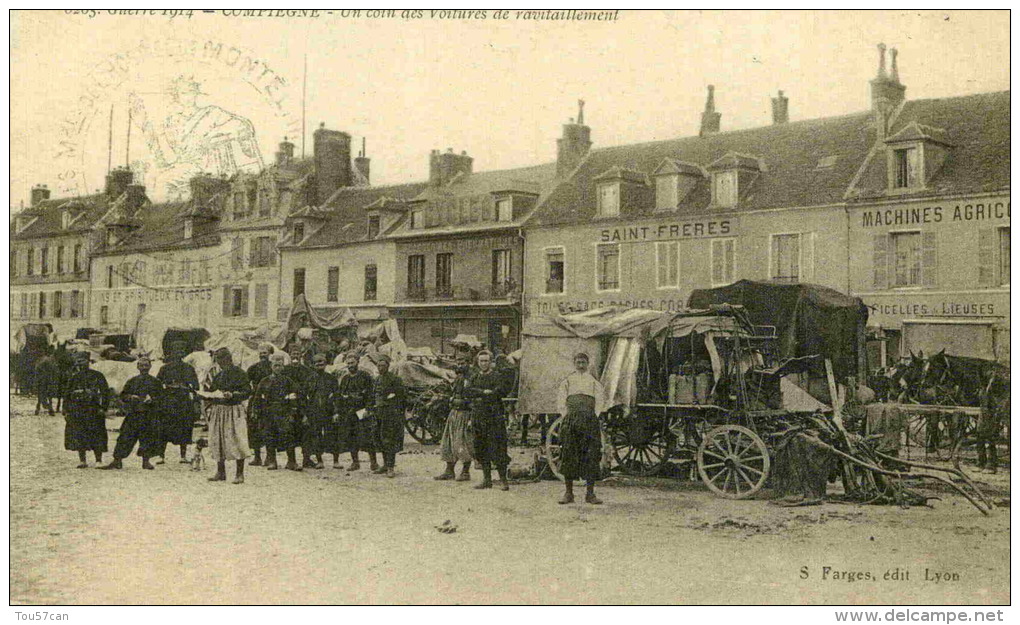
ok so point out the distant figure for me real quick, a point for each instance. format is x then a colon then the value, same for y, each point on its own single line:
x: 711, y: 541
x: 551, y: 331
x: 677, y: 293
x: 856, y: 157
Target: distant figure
x: 390, y: 400
x: 456, y: 445
x: 228, y: 428
x: 256, y: 373
x: 581, y: 400
x: 47, y: 382
x: 177, y: 410
x: 353, y: 407
x: 140, y: 424
x: 486, y: 390
x: 88, y: 397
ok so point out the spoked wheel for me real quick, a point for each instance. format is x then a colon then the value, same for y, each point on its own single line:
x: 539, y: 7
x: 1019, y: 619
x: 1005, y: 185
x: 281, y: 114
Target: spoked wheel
x: 733, y: 462
x: 554, y: 447
x: 641, y: 446
x: 426, y: 419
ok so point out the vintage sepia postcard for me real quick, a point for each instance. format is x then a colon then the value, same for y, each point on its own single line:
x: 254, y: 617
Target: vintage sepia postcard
x: 500, y: 306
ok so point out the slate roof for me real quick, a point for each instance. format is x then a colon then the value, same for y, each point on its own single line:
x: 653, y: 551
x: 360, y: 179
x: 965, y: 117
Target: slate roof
x: 788, y: 154
x: 978, y: 132
x: 347, y: 219
x: 161, y: 227
x: 48, y: 216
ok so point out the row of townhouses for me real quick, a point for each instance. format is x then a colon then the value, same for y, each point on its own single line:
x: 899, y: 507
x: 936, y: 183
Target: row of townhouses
x: 905, y: 205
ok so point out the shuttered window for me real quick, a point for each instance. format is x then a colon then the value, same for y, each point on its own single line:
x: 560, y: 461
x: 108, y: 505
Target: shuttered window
x: 993, y: 257
x: 299, y: 281
x: 42, y: 305
x: 61, y: 268
x: 723, y: 261
x: 555, y: 270
x: 667, y: 261
x: 58, y: 304
x: 237, y: 254
x: 261, y: 300
x: 30, y: 258
x: 906, y: 250
x: 905, y: 168
x: 77, y: 258
x: 370, y: 282
x: 609, y: 199
x: 666, y: 196
x: 792, y: 257
x: 333, y: 284
x: 75, y: 305
x: 608, y: 267
x: 905, y: 259
x: 724, y: 189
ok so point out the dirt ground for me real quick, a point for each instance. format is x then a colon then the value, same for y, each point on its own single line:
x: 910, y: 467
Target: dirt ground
x: 324, y: 537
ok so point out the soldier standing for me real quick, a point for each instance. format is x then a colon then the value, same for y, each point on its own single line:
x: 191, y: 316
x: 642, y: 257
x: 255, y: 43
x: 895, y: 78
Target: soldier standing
x: 320, y: 431
x: 275, y: 408
x: 390, y: 400
x: 486, y: 390
x: 228, y: 426
x: 256, y: 373
x: 305, y: 378
x: 177, y: 411
x: 88, y: 397
x: 355, y: 421
x: 139, y: 427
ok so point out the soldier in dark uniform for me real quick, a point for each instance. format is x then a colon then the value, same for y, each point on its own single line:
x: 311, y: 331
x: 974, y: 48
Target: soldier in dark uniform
x: 486, y: 390
x: 320, y: 431
x: 47, y: 382
x: 353, y: 407
x: 88, y: 396
x: 177, y: 412
x: 390, y: 400
x: 275, y: 408
x: 305, y: 377
x: 140, y: 424
x: 256, y: 373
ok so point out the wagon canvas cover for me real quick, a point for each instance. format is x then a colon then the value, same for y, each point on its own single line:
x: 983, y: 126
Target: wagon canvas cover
x: 809, y: 318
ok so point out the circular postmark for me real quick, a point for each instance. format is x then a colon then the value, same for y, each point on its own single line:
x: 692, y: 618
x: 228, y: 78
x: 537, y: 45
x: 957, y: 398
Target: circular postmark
x: 173, y: 108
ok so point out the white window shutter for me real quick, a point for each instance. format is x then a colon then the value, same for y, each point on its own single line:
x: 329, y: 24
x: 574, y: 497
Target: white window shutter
x: 986, y: 257
x: 662, y: 263
x: 880, y: 260
x: 929, y: 259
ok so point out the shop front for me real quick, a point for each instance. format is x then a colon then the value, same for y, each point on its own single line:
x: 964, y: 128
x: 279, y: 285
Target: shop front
x: 497, y: 327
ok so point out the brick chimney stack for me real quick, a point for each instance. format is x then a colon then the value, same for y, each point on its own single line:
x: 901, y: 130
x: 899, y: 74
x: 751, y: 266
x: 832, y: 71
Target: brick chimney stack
x: 40, y: 193
x: 710, y: 118
x: 445, y: 166
x: 574, y: 145
x: 780, y: 109
x: 332, y: 154
x: 286, y: 154
x: 117, y: 182
x: 887, y: 93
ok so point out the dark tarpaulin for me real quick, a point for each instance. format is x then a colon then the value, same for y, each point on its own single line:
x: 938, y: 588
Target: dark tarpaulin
x: 193, y: 338
x: 809, y: 318
x: 303, y: 315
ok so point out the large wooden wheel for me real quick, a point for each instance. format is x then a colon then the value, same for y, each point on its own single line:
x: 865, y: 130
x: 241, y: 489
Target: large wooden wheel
x: 554, y: 447
x: 426, y: 418
x: 641, y: 444
x: 733, y: 461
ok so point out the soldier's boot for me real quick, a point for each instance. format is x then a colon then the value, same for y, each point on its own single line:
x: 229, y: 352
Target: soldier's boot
x: 465, y: 473
x: 82, y: 462
x: 115, y: 464
x: 448, y: 474
x: 239, y: 472
x: 568, y: 493
x: 257, y: 460
x: 589, y: 496
x: 271, y: 459
x: 486, y: 478
x: 147, y: 465
x: 355, y: 462
x: 503, y: 484
x: 292, y: 464
x: 221, y: 472
x: 373, y: 462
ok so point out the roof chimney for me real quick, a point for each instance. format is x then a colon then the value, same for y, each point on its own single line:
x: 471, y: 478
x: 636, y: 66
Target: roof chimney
x: 363, y: 165
x: 40, y: 193
x: 573, y: 146
x: 709, y: 118
x: 332, y: 153
x: 887, y: 93
x: 117, y: 182
x: 780, y: 109
x: 445, y: 166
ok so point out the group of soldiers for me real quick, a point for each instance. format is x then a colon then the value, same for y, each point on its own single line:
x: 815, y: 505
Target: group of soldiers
x: 280, y: 406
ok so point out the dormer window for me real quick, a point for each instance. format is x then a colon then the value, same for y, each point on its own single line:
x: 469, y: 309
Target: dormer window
x: 299, y: 231
x: 65, y: 220
x: 609, y: 199
x: 724, y: 189
x: 111, y: 235
x: 504, y: 209
x: 666, y: 192
x: 674, y: 180
x: 374, y: 222
x: 189, y: 225
x: 417, y: 219
x: 905, y: 168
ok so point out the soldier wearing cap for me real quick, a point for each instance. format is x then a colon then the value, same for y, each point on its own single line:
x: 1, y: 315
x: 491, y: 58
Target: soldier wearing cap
x: 320, y: 431
x: 274, y: 405
x: 305, y: 378
x: 355, y: 421
x: 177, y: 409
x: 139, y: 427
x: 88, y: 397
x: 256, y: 373
x: 228, y: 425
x: 390, y: 400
